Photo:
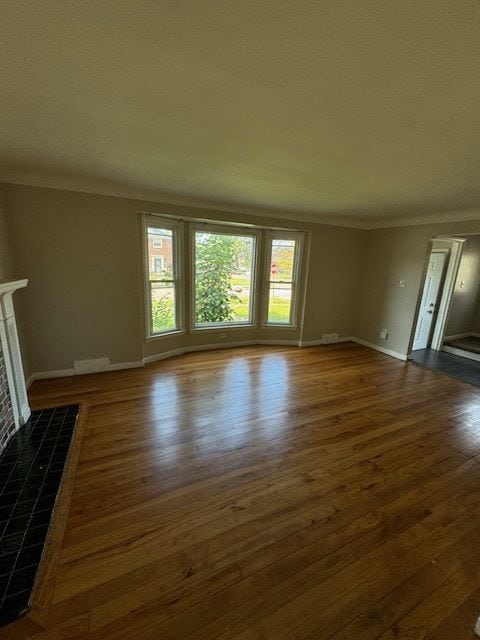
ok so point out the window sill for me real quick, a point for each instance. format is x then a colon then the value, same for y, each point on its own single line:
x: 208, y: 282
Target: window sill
x: 272, y: 325
x: 224, y: 327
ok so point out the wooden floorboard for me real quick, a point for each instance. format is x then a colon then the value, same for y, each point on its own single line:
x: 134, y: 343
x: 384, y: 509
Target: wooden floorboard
x: 269, y: 493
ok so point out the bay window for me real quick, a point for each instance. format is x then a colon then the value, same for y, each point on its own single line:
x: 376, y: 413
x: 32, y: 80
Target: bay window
x: 235, y: 276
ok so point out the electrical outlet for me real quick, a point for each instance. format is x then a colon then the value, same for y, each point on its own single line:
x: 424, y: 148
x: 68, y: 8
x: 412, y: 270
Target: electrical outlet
x: 384, y: 334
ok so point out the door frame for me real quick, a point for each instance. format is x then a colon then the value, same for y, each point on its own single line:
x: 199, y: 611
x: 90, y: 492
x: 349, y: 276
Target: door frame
x: 446, y: 259
x: 455, y: 254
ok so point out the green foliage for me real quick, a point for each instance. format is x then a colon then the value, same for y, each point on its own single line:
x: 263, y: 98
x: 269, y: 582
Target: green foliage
x: 284, y: 260
x: 215, y: 256
x: 163, y: 315
x: 279, y: 310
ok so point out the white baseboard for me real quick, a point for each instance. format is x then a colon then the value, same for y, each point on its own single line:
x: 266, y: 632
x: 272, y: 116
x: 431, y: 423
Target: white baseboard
x: 458, y: 336
x: 209, y: 347
x: 163, y: 356
x: 65, y: 373
x: 119, y: 366
x: 220, y: 345
x: 243, y: 343
x: 388, y: 352
x: 62, y: 373
x: 314, y: 343
x: 45, y: 375
x: 280, y: 343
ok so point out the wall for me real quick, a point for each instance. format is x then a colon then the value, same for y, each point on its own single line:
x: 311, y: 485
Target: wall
x: 82, y: 255
x: 5, y: 253
x: 334, y: 281
x: 82, y: 300
x: 392, y: 255
x: 465, y: 302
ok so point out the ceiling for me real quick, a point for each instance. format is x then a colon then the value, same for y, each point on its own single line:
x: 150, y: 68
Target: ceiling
x: 330, y: 109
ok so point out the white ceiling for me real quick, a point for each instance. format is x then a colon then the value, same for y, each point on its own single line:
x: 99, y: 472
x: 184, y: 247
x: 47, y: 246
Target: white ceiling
x: 346, y: 108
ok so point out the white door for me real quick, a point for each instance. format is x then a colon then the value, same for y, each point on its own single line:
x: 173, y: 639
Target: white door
x: 428, y: 306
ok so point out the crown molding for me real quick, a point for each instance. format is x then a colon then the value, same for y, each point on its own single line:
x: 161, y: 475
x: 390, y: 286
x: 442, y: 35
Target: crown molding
x: 463, y: 215
x: 165, y: 198
x: 160, y: 197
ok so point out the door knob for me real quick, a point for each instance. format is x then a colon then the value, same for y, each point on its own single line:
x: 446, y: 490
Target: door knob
x: 429, y: 311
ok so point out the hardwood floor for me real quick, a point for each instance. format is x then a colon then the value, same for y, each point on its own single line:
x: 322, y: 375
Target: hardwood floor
x: 271, y: 493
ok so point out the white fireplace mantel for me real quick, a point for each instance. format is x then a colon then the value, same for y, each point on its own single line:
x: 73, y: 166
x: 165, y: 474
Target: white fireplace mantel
x: 11, y: 351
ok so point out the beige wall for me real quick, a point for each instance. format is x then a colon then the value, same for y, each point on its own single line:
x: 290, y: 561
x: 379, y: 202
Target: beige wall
x: 334, y: 281
x: 82, y: 255
x: 5, y: 250
x: 392, y: 255
x: 464, y: 306
x: 82, y: 300
x: 476, y: 319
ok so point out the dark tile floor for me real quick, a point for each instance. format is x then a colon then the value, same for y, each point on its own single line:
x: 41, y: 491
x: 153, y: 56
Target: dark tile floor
x: 31, y: 469
x: 455, y: 366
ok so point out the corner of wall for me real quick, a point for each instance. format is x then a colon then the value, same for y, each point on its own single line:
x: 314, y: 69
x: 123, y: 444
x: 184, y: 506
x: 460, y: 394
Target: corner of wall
x: 8, y: 269
x: 5, y: 241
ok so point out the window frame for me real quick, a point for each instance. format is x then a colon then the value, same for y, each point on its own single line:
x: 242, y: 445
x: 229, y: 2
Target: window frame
x: 184, y: 256
x: 162, y: 262
x: 227, y: 230
x: 176, y: 226
x: 272, y: 235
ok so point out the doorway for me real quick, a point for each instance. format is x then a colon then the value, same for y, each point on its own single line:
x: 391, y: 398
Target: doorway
x: 429, y: 304
x: 444, y: 334
x: 442, y: 263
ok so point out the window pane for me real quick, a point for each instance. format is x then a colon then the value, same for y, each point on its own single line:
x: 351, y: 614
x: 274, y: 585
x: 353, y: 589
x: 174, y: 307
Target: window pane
x: 163, y: 306
x: 223, y: 278
x: 280, y: 303
x: 160, y: 253
x: 283, y: 259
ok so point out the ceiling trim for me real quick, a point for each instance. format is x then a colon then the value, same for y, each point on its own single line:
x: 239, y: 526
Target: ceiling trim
x: 159, y: 197
x: 462, y: 215
x: 341, y: 220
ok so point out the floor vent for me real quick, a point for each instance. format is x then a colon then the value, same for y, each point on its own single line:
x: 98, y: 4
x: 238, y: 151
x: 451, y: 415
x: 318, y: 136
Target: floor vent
x: 91, y: 366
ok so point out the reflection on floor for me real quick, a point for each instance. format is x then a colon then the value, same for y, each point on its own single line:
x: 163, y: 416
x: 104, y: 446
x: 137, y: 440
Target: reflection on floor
x: 269, y: 492
x: 455, y: 366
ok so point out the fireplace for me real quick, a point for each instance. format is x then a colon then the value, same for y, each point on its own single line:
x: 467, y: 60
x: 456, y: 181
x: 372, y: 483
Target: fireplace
x: 7, y: 423
x: 14, y: 408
